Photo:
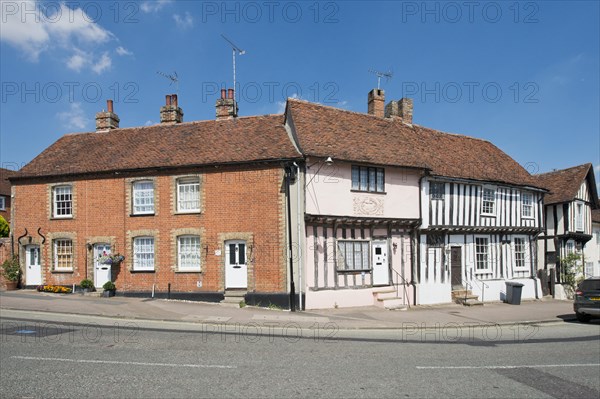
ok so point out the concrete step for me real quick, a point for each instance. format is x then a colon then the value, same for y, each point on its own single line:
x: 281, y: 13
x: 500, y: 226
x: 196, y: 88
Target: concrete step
x: 235, y: 293
x: 472, y: 302
x: 390, y: 293
x: 395, y: 303
x: 233, y: 298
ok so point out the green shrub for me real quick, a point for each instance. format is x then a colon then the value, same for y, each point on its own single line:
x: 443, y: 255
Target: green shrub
x: 11, y: 269
x: 109, y: 286
x: 86, y: 284
x: 4, y: 227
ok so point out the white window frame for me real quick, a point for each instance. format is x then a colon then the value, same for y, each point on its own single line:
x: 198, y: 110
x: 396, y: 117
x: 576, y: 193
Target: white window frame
x: 437, y: 195
x: 482, y: 256
x: 527, y: 205
x: 487, y: 202
x: 144, y: 253
x: 62, y: 201
x: 186, y: 188
x: 2, y: 203
x: 189, y: 253
x: 350, y: 262
x: 579, y: 216
x: 520, y: 253
x: 63, y: 254
x: 142, y: 197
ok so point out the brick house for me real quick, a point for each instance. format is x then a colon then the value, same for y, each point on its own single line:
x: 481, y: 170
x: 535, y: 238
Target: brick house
x: 399, y: 214
x: 197, y: 209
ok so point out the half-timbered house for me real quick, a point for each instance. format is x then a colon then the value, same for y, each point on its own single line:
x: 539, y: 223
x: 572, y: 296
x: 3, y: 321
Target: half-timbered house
x: 568, y: 215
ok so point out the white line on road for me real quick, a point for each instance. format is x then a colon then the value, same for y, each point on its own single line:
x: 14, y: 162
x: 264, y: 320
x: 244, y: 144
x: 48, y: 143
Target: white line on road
x: 55, y: 359
x: 506, y: 367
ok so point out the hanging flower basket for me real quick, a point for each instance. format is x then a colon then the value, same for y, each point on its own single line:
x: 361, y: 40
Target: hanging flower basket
x: 111, y: 259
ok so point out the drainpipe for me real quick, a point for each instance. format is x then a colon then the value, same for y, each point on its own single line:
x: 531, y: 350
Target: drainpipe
x: 299, y: 231
x: 288, y: 176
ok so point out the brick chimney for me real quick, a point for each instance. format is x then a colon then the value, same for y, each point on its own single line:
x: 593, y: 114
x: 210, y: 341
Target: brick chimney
x: 107, y: 120
x: 402, y: 109
x: 376, y: 102
x: 170, y: 112
x: 227, y: 107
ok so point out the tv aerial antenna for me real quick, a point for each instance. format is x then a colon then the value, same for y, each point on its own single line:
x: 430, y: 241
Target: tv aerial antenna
x: 235, y: 49
x: 387, y: 75
x: 173, y: 78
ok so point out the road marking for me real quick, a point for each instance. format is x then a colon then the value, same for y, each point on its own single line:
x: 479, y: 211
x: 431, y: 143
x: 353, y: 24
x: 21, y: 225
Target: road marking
x: 506, y: 367
x: 55, y: 359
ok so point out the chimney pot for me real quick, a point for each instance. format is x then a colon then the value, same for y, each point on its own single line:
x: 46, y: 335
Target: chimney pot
x: 223, y: 93
x: 174, y: 100
x: 230, y: 93
x: 168, y: 100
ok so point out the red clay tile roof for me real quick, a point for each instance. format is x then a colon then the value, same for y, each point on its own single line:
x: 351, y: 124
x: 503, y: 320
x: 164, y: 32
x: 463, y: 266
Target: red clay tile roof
x: 326, y: 131
x: 4, y: 183
x: 248, y: 139
x: 596, y: 215
x: 564, y: 184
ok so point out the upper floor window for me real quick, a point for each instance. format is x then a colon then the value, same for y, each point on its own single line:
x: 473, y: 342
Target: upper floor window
x: 488, y: 203
x: 63, y: 254
x: 353, y: 255
x: 62, y: 201
x: 436, y: 190
x: 520, y: 252
x: 482, y: 250
x: 579, y: 217
x: 2, y: 203
x: 143, y: 253
x: 188, y: 253
x: 527, y: 205
x: 188, y: 195
x: 143, y: 197
x: 368, y: 179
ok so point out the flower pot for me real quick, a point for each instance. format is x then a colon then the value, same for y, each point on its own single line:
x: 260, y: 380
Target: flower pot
x: 108, y: 293
x: 11, y: 285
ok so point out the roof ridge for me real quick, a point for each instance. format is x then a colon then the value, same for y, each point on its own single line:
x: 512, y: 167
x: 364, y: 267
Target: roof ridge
x: 588, y: 164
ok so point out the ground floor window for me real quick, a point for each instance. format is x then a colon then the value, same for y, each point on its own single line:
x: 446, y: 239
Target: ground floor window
x: 63, y: 254
x: 188, y: 253
x: 520, y: 251
x: 353, y: 255
x: 143, y: 253
x: 482, y: 251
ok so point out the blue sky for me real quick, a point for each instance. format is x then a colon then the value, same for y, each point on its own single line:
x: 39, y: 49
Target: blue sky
x: 524, y: 75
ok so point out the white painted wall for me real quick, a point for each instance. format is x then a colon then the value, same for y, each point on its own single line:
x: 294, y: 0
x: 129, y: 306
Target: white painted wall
x: 591, y: 250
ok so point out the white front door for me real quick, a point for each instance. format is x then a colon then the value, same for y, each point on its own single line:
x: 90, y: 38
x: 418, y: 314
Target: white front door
x: 33, y: 271
x: 236, y: 270
x: 381, y: 269
x: 101, y: 271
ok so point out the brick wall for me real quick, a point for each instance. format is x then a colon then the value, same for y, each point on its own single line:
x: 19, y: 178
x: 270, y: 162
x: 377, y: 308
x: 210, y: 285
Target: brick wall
x: 235, y: 204
x: 4, y: 255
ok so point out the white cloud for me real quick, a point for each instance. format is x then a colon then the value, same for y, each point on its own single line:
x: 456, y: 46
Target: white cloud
x: 34, y: 27
x: 123, y: 51
x: 74, y: 118
x: 184, y: 22
x: 148, y: 123
x: 103, y: 64
x: 281, y: 104
x: 154, y: 5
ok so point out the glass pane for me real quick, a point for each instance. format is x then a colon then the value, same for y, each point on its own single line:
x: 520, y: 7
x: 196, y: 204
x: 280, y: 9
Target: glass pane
x: 232, y: 254
x: 355, y: 178
x: 380, y: 180
x: 365, y: 255
x: 242, y: 248
x: 364, y: 178
x: 372, y: 179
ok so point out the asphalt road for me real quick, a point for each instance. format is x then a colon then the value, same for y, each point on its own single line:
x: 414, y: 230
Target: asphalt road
x: 126, y: 359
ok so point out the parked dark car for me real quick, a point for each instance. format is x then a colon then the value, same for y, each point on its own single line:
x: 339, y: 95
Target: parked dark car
x: 587, y: 299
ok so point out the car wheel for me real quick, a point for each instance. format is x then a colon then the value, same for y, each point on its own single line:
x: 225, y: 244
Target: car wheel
x: 584, y: 318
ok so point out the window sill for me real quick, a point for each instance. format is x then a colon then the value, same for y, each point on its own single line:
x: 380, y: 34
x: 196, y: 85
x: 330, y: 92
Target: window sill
x: 527, y: 217
x: 142, y: 271
x: 188, y: 271
x: 137, y: 215
x: 62, y: 271
x: 62, y: 217
x: 488, y: 215
x: 487, y: 271
x: 188, y: 213
x: 368, y: 192
x: 354, y: 271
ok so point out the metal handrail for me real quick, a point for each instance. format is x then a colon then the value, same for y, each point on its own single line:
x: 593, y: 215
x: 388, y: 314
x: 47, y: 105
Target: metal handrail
x: 404, y: 284
x: 482, y: 286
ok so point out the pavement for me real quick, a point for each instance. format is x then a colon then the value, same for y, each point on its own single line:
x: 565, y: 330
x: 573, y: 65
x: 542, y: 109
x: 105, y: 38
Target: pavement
x: 358, y: 318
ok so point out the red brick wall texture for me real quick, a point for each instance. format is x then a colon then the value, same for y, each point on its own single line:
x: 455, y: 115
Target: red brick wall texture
x: 235, y: 203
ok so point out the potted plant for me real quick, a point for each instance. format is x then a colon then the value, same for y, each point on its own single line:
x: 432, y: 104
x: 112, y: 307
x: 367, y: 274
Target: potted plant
x: 11, y: 270
x: 87, y: 285
x: 109, y: 289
